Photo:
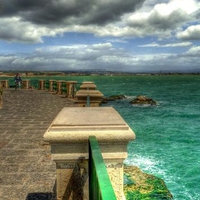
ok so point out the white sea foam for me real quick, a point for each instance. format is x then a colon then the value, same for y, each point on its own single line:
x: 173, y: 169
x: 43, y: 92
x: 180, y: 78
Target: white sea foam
x: 147, y: 164
x: 157, y: 168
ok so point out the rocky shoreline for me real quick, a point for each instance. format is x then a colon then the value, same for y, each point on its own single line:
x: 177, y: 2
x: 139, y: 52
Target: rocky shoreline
x: 139, y: 100
x: 140, y: 185
x: 137, y: 184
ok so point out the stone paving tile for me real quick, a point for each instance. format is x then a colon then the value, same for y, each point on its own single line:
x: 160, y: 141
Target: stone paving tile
x: 26, y: 169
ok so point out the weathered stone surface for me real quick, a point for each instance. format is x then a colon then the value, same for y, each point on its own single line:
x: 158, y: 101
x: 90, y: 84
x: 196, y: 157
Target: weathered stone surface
x: 139, y: 185
x: 143, y: 100
x: 26, y: 169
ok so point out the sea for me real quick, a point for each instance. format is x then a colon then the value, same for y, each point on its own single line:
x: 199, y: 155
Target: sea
x: 167, y: 142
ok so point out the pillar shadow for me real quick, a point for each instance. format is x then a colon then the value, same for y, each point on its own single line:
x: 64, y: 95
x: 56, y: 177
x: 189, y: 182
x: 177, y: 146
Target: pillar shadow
x: 75, y: 188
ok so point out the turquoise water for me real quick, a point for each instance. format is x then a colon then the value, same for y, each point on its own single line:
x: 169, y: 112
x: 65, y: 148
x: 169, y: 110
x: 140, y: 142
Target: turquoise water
x: 168, y: 135
x: 168, y: 141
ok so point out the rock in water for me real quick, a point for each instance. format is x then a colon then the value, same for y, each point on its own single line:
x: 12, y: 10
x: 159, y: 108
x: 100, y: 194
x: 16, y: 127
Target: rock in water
x: 113, y: 98
x: 143, y: 100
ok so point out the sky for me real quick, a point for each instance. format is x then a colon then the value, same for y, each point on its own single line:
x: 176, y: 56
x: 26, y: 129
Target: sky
x: 109, y: 35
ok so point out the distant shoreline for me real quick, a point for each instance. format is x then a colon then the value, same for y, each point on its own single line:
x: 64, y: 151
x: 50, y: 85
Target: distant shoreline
x: 44, y: 74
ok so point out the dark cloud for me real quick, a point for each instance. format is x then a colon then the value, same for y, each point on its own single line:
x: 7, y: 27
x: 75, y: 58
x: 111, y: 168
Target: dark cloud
x: 110, y: 10
x: 68, y: 11
x: 14, y: 8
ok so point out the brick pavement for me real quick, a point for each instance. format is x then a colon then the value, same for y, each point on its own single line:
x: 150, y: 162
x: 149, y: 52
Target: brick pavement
x: 26, y: 169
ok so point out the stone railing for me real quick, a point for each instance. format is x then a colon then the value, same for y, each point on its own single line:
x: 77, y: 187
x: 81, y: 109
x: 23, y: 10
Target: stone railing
x: 4, y: 84
x: 60, y: 87
x: 68, y: 136
x: 86, y: 96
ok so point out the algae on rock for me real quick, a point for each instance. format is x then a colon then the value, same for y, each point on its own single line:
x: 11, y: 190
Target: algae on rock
x: 139, y: 185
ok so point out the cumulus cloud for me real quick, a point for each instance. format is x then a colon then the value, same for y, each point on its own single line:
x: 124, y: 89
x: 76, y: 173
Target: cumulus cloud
x: 194, y: 51
x: 97, y: 56
x: 181, y: 44
x: 191, y: 33
x: 39, y: 18
x: 164, y: 18
x: 72, y: 57
x: 12, y: 29
x: 115, y: 24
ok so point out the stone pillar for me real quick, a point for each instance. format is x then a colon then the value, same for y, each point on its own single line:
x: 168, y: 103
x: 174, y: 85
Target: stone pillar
x: 26, y: 84
x: 88, y: 86
x: 88, y: 97
x: 51, y: 85
x: 41, y: 84
x: 68, y: 136
x: 4, y: 84
x: 59, y: 87
x: 71, y: 89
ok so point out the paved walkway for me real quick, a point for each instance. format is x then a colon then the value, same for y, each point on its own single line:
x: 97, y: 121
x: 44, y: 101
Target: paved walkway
x: 26, y: 169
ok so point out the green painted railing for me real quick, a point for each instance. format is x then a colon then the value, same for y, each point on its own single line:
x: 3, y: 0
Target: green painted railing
x: 54, y: 86
x: 46, y: 85
x: 64, y: 88
x: 100, y: 187
x: 35, y: 84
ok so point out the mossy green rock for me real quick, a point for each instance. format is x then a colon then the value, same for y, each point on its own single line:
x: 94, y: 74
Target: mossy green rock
x: 141, y: 186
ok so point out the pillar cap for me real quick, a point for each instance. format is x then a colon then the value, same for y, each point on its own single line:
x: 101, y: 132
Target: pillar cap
x: 76, y: 124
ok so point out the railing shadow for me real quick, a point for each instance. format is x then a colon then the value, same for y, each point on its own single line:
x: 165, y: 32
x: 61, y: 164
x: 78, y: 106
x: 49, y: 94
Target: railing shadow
x: 42, y: 195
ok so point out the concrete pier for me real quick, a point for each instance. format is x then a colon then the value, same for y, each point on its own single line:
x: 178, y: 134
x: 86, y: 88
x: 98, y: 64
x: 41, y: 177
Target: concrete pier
x: 26, y: 169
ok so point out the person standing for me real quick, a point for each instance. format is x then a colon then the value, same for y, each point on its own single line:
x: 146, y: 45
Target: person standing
x: 18, y: 81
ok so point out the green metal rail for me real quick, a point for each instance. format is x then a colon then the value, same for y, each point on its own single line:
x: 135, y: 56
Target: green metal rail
x: 100, y: 187
x: 46, y: 84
